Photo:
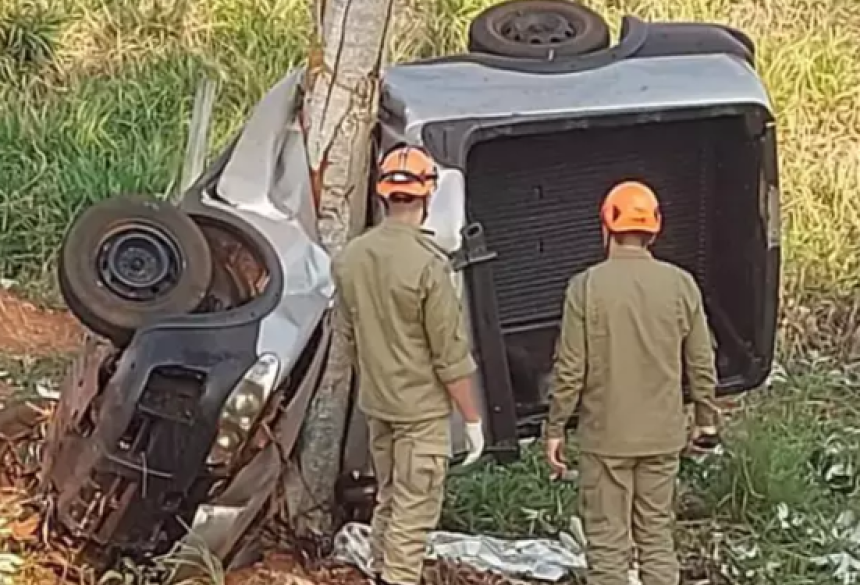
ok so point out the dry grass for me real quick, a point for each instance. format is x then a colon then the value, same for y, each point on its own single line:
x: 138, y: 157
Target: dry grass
x: 31, y: 555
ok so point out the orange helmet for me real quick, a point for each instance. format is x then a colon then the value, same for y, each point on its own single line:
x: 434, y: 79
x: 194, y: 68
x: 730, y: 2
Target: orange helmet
x: 406, y: 170
x: 631, y: 207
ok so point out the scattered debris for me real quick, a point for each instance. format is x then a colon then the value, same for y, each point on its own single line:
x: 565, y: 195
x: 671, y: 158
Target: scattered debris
x: 836, y: 461
x: 529, y: 559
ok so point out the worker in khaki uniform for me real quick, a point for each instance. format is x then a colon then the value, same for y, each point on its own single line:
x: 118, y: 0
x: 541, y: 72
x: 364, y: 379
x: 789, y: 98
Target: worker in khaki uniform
x: 403, y: 321
x: 631, y: 326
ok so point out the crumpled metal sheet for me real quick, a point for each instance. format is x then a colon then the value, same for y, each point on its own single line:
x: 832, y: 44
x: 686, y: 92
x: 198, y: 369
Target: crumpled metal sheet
x: 540, y: 559
x: 545, y: 560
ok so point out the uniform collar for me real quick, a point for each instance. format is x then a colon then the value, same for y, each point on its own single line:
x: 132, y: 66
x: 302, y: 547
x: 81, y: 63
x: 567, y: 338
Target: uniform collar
x: 399, y: 226
x: 632, y: 252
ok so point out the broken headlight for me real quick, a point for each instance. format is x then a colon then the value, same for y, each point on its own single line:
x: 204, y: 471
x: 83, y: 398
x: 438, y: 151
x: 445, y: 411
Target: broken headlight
x: 243, y: 408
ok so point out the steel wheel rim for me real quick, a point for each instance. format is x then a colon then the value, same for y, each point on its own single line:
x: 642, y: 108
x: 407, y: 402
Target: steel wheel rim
x: 537, y: 29
x: 139, y: 262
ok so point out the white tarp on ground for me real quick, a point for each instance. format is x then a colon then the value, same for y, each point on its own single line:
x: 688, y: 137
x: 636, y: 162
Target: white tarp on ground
x: 540, y: 559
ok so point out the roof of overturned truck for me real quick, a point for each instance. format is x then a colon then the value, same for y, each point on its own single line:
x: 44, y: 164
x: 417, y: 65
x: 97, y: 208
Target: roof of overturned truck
x: 630, y: 78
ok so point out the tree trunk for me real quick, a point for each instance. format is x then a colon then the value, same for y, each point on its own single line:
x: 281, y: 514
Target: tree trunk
x: 339, y: 113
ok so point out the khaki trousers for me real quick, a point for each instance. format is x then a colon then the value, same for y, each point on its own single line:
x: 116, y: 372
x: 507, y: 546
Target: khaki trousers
x: 410, y: 462
x: 622, y: 498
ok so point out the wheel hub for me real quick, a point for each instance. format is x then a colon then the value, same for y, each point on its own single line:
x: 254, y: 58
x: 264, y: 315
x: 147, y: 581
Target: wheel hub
x: 546, y: 28
x: 139, y: 263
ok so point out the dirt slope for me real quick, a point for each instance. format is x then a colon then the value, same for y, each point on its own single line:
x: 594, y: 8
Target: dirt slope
x: 27, y: 330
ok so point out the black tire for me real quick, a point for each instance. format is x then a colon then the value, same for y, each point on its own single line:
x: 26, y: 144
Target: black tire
x: 538, y: 29
x: 93, y: 265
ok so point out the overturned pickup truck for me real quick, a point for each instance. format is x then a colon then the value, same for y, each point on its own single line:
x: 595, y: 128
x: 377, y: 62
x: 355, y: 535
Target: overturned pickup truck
x: 215, y: 309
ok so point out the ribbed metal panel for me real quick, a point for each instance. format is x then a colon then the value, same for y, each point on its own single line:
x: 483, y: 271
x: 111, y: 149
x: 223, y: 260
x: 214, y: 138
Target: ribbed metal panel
x: 538, y: 199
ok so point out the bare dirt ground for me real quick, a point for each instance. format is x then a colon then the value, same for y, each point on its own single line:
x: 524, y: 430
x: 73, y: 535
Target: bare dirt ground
x: 27, y: 330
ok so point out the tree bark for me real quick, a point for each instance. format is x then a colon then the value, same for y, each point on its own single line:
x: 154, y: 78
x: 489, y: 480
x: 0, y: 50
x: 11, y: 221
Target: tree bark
x: 339, y: 113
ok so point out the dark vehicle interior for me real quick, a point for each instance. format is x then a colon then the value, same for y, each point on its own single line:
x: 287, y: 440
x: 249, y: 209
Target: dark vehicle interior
x: 540, y: 215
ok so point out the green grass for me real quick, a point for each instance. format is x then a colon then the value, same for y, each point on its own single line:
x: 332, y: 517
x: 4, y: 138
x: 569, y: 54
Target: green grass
x: 765, y: 510
x: 107, y: 107
x: 512, y: 500
x: 27, y: 375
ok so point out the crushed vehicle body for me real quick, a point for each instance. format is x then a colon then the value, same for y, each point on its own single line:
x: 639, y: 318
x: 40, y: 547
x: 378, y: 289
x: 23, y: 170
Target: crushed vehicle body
x: 181, y: 421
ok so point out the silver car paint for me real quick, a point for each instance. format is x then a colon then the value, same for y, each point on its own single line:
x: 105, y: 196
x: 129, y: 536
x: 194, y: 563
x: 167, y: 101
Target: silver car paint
x: 267, y: 184
x: 420, y: 93
x: 267, y: 181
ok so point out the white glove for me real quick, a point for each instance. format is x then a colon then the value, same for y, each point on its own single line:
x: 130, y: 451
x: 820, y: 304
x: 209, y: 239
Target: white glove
x: 475, y: 441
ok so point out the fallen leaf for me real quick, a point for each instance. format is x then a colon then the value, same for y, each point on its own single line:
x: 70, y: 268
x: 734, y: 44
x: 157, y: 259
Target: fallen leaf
x: 25, y: 529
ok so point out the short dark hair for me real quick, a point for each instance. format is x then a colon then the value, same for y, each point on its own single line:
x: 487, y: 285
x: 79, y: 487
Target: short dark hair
x: 636, y: 238
x: 403, y: 198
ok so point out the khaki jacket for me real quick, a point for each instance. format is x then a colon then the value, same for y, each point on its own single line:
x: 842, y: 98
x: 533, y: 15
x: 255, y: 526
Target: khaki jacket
x: 403, y: 321
x: 631, y: 326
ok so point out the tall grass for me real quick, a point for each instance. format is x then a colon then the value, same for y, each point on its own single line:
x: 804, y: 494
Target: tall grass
x: 96, y: 98
x: 781, y: 497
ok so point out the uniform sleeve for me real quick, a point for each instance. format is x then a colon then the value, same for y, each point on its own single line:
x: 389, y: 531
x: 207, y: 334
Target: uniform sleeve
x: 568, y: 376
x: 699, y: 360
x: 343, y: 314
x: 445, y: 326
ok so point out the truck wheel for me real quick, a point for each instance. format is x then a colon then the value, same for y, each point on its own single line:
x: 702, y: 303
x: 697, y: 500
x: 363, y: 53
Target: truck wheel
x: 128, y: 261
x: 538, y: 29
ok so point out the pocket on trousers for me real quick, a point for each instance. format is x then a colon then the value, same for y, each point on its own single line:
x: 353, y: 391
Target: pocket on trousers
x: 591, y: 504
x: 427, y: 468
